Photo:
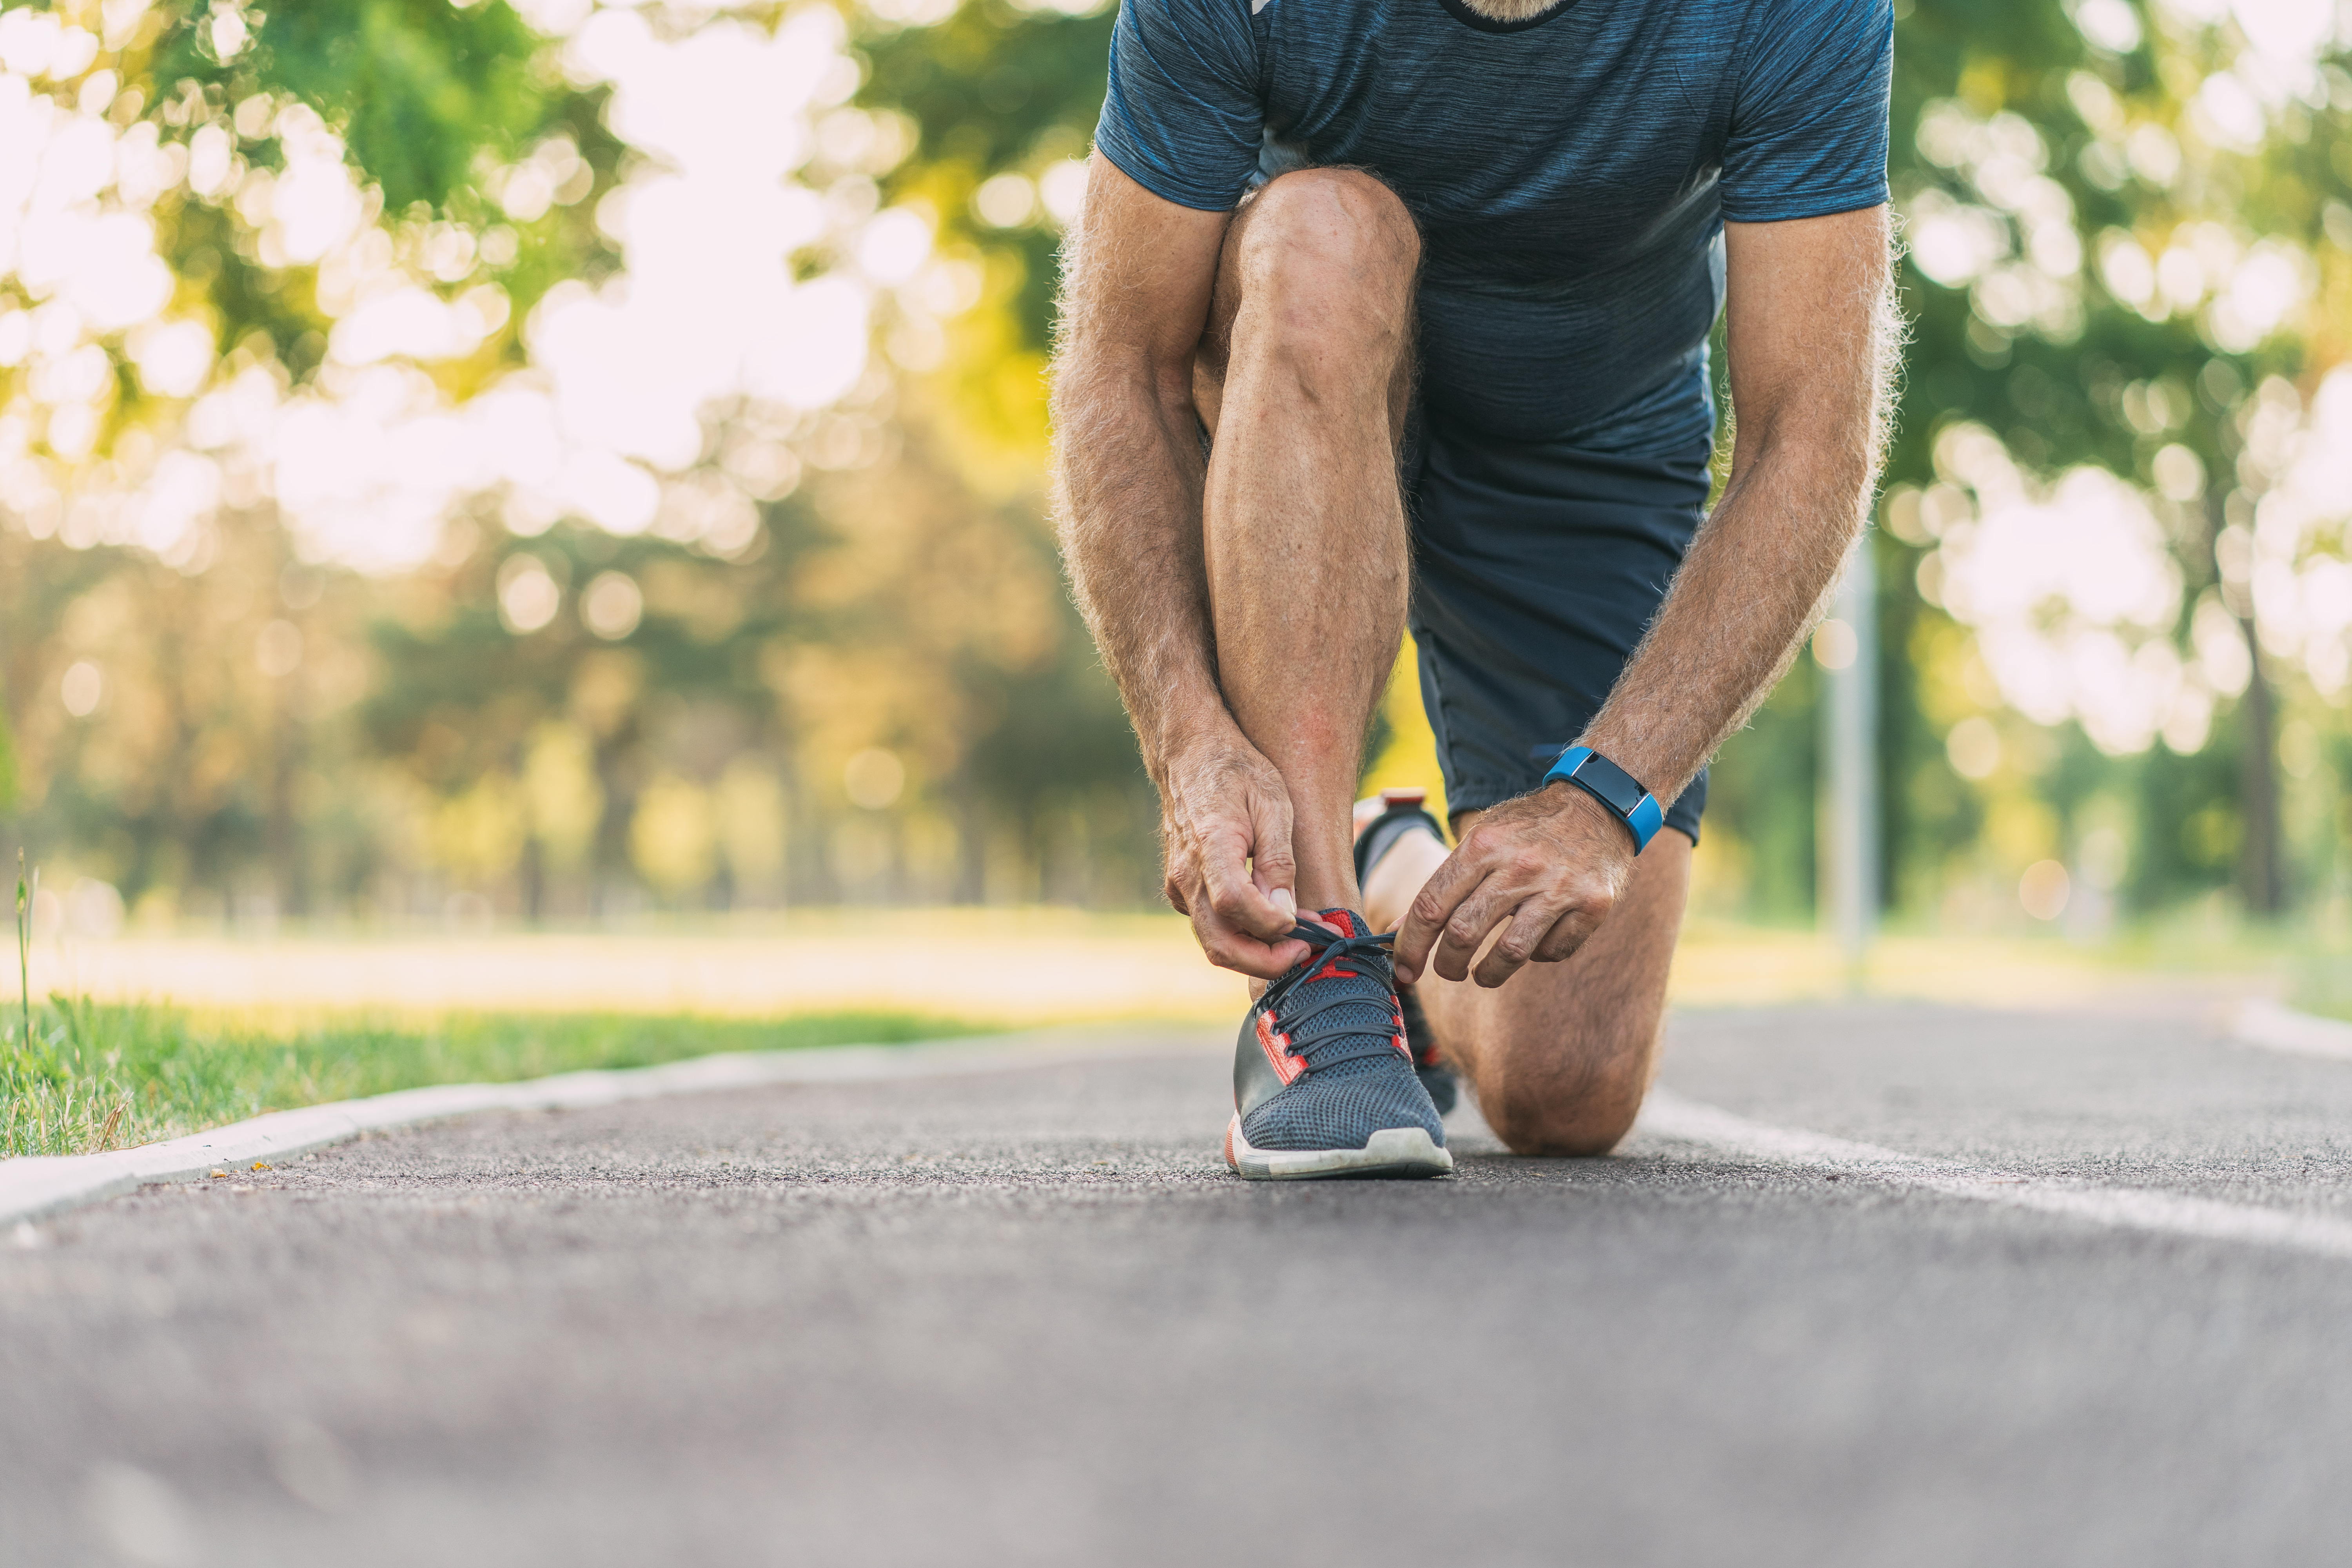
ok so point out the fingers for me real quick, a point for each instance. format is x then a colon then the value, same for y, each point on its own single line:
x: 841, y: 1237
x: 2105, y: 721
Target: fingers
x: 1245, y: 861
x: 1238, y: 950
x: 1228, y: 944
x: 1486, y: 906
x: 1241, y: 917
x: 1568, y: 933
x: 1273, y: 870
x: 1508, y: 886
x: 1180, y: 876
x: 1426, y: 918
x: 1528, y: 939
x: 1240, y: 904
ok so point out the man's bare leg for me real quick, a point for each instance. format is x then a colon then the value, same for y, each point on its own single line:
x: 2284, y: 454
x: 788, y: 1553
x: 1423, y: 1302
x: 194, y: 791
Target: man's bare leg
x: 1302, y: 380
x: 1561, y: 1055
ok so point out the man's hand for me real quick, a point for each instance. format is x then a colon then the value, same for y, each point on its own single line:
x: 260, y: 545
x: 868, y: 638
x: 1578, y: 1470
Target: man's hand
x: 1544, y: 869
x: 1227, y: 826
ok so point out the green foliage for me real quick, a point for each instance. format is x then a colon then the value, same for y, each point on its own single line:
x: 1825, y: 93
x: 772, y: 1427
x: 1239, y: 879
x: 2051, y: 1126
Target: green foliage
x: 10, y: 781
x: 1759, y: 795
x: 2191, y: 825
x: 992, y: 89
x: 2062, y: 393
x: 991, y: 83
x: 431, y: 100
x: 421, y: 90
x: 111, y: 1075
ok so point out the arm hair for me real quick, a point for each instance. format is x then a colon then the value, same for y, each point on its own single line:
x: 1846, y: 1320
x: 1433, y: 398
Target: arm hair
x: 1816, y: 341
x: 1128, y: 466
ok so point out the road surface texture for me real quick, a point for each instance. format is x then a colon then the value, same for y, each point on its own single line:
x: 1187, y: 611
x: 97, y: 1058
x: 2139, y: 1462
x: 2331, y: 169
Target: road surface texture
x: 1025, y: 1317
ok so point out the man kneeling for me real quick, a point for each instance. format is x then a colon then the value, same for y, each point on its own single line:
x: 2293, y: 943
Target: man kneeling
x: 1387, y: 313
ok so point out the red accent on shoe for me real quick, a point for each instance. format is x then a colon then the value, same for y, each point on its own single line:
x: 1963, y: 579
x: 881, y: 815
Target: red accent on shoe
x: 1277, y: 1050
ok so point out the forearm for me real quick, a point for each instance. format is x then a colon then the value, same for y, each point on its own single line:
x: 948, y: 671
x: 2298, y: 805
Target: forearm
x: 1754, y: 583
x: 1815, y: 337
x: 1127, y: 480
x: 1813, y: 333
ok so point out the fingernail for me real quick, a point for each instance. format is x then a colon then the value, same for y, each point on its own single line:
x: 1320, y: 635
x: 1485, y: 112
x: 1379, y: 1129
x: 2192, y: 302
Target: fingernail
x: 1285, y: 901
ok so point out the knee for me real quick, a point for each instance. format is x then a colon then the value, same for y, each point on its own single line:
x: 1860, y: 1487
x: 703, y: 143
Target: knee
x: 1330, y: 249
x: 1580, y: 1116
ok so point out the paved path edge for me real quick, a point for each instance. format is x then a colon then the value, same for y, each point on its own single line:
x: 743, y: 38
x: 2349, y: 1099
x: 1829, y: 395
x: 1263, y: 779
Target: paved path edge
x: 2272, y: 1027
x: 35, y: 1187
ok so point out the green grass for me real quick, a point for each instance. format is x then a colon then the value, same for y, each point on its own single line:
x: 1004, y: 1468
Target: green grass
x: 2322, y: 985
x: 107, y: 1076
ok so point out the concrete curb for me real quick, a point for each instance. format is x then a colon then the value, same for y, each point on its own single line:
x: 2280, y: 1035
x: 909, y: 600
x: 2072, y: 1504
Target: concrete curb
x: 2271, y: 1027
x: 33, y: 1186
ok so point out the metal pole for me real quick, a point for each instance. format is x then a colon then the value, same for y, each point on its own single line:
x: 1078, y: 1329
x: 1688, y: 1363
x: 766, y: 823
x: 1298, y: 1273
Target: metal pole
x: 1848, y: 840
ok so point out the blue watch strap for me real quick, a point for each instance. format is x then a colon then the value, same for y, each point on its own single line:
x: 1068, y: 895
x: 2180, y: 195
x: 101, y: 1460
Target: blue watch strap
x: 1613, y: 787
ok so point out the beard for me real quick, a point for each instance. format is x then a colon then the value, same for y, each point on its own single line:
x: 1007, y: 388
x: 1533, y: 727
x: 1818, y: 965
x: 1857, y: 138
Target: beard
x: 1509, y: 10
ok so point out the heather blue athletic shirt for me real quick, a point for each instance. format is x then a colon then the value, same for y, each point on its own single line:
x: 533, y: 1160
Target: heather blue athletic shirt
x: 1570, y: 173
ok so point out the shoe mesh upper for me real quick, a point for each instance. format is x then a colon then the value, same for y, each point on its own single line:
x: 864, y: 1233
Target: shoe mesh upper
x: 1341, y: 1107
x: 1349, y: 1091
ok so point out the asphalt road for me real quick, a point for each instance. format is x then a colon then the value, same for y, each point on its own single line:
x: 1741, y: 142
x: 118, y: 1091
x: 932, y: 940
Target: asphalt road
x: 1027, y: 1317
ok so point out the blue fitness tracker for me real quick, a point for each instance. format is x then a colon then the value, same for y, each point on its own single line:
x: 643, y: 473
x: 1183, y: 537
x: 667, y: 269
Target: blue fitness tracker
x: 1613, y: 787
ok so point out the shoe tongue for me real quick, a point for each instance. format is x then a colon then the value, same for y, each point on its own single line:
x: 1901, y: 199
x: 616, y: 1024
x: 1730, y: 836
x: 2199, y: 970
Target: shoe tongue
x: 1347, y: 923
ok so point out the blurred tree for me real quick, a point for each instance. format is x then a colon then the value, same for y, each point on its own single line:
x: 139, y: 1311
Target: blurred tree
x: 2123, y: 220
x: 214, y: 182
x: 420, y: 90
x: 838, y: 657
x: 440, y: 110
x: 995, y: 93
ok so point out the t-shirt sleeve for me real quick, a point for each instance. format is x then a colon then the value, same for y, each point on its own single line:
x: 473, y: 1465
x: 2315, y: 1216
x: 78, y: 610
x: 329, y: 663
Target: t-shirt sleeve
x: 1808, y: 131
x: 1183, y: 115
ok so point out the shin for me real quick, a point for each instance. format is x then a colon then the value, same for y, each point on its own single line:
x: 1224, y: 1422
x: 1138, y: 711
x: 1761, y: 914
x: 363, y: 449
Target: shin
x: 1302, y: 381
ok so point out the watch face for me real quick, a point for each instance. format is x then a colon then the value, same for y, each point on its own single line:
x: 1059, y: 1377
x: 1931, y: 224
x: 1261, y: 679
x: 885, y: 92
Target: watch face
x: 1613, y: 783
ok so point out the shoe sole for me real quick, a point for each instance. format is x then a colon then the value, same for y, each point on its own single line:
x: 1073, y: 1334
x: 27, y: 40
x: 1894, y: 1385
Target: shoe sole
x: 1393, y: 1152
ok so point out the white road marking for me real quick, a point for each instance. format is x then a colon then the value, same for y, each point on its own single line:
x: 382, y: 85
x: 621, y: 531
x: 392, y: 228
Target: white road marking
x: 33, y: 1187
x: 2272, y: 1028
x: 1669, y: 1116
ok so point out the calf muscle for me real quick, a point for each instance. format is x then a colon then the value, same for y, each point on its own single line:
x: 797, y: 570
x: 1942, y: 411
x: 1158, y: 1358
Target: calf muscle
x: 1128, y: 475
x: 1306, y: 355
x: 1248, y: 604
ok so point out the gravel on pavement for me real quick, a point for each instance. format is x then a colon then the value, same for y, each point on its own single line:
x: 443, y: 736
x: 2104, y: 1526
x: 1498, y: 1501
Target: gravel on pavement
x: 1027, y: 1317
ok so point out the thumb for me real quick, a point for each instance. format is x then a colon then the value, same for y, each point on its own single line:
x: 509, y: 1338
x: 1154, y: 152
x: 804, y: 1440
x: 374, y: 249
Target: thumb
x: 1272, y: 865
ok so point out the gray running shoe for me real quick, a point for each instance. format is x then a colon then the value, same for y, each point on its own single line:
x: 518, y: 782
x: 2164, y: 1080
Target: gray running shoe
x: 1323, y: 1081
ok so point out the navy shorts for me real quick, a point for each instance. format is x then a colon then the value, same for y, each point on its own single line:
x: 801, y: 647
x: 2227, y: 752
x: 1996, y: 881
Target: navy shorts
x: 1536, y: 570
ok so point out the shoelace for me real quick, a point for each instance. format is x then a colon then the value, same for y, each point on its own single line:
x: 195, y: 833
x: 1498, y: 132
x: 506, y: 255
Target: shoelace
x: 1350, y: 955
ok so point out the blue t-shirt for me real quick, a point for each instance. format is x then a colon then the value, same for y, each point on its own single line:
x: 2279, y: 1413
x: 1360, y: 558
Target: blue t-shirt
x: 1570, y: 175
